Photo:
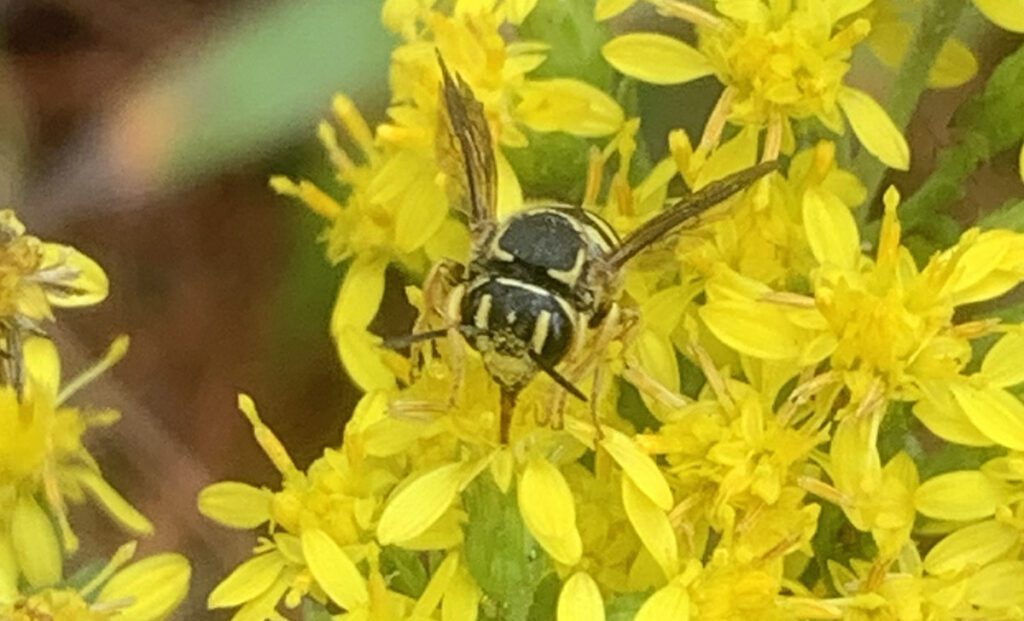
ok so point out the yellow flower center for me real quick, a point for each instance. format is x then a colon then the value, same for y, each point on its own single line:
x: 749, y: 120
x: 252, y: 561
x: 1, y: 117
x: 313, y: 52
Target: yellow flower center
x: 793, y: 67
x: 55, y: 605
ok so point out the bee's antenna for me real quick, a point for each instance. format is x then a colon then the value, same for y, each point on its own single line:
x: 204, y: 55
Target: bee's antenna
x: 558, y: 377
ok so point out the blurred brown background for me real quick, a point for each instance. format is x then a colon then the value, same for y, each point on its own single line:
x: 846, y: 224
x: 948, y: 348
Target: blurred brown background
x: 106, y: 135
x: 143, y: 132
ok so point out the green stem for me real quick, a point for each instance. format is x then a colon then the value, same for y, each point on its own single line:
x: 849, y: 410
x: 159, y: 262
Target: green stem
x: 938, y: 21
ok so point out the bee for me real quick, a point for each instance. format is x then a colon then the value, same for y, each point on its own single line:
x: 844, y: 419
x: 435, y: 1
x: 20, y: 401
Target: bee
x: 538, y: 281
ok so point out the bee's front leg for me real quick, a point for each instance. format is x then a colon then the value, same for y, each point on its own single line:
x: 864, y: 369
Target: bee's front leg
x: 456, y: 345
x: 438, y: 286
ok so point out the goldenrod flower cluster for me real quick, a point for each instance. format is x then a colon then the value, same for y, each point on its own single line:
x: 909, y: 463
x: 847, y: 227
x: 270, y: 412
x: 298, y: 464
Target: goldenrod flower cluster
x: 807, y: 421
x: 44, y: 465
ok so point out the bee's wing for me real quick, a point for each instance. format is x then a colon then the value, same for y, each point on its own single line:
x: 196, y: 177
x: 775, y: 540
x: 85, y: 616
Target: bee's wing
x: 685, y: 209
x: 466, y: 149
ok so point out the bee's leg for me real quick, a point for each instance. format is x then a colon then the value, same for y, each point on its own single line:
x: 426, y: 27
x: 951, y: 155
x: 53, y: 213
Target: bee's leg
x: 443, y: 277
x: 553, y: 415
x: 608, y: 331
x: 13, y: 360
x: 456, y: 346
x: 508, y: 408
x: 650, y: 386
x: 595, y: 394
x: 585, y: 359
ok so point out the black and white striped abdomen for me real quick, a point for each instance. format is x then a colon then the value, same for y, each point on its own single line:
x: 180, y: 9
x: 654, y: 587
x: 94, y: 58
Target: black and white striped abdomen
x: 514, y: 325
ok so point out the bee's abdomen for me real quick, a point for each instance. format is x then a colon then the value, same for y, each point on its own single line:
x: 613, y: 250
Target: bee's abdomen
x: 517, y: 319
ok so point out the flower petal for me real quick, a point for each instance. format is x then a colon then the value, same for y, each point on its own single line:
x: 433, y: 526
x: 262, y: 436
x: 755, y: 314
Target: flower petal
x: 875, y: 130
x: 944, y: 417
x: 831, y: 229
x: 570, y: 106
x: 419, y: 504
x: 518, y: 10
x: 85, y: 285
x: 236, y: 505
x: 360, y: 352
x: 1020, y: 163
x: 997, y: 586
x: 155, y: 586
x: 753, y: 328
x: 334, y: 570
x: 977, y: 544
x: 607, y: 9
x: 113, y: 502
x: 995, y: 412
x: 549, y: 511
x: 656, y: 58
x: 638, y: 466
x: 954, y: 66
x: 1008, y: 14
x: 960, y: 496
x: 248, y: 581
x: 652, y: 526
x: 1002, y: 365
x: 510, y: 193
x: 462, y: 600
x: 36, y: 546
x: 580, y: 599
x: 360, y: 294
x: 421, y: 211
x: 670, y: 602
x: 436, y: 588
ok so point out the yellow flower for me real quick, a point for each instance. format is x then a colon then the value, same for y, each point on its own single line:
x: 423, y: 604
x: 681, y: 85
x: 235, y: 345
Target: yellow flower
x: 763, y: 237
x: 779, y: 62
x: 884, y: 323
x: 147, y: 590
x: 320, y: 541
x: 460, y: 443
x: 43, y: 460
x: 1008, y: 14
x: 397, y: 208
x: 36, y: 276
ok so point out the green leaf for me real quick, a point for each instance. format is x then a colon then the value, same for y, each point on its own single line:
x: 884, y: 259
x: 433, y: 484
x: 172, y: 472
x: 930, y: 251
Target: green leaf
x: 407, y: 573
x: 945, y: 458
x: 504, y: 559
x: 632, y: 408
x: 1009, y: 216
x: 989, y: 123
x: 898, y: 432
x: 835, y: 540
x: 545, y: 599
x: 314, y: 611
x: 575, y: 38
x: 554, y: 166
x: 625, y: 607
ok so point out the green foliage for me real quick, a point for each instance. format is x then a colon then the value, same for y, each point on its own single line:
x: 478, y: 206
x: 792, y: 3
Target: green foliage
x: 1009, y: 216
x: 554, y: 167
x: 988, y: 124
x: 625, y: 607
x: 266, y: 79
x: 314, y: 611
x: 408, y: 575
x: 501, y: 555
x: 569, y: 28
